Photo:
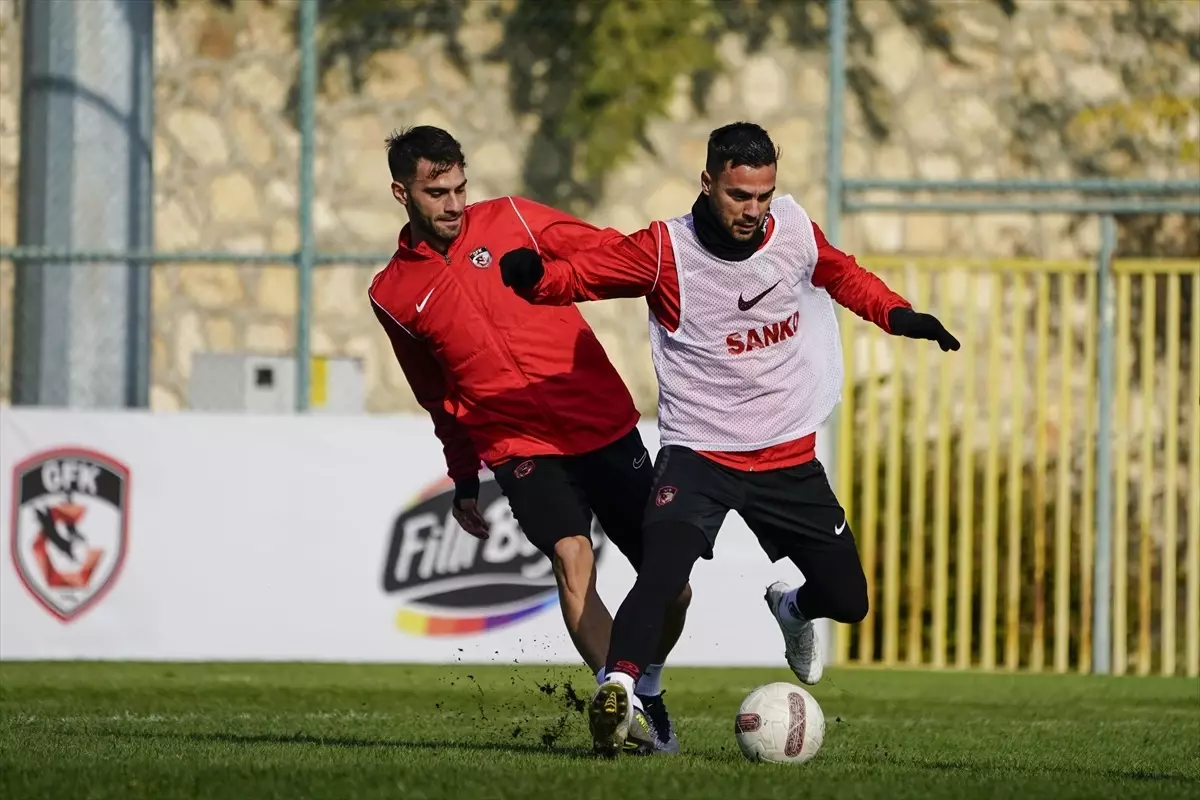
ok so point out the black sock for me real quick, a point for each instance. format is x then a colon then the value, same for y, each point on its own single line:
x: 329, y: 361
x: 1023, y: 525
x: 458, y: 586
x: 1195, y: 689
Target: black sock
x: 670, y: 550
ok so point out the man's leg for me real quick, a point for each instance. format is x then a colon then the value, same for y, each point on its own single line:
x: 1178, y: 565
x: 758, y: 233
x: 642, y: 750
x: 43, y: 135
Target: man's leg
x: 553, y: 513
x: 618, y: 480
x: 673, y: 626
x: 796, y: 515
x: 671, y: 549
x: 687, y: 505
x: 587, y: 619
x: 552, y: 509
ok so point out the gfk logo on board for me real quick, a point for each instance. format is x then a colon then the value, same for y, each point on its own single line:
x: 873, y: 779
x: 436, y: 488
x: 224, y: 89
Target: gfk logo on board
x: 70, y: 527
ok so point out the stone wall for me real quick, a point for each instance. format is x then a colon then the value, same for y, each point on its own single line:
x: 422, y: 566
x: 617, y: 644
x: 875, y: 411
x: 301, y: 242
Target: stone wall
x: 1010, y: 101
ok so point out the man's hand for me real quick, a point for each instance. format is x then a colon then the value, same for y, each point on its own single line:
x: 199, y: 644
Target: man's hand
x: 466, y: 514
x: 906, y: 322
x: 521, y: 269
x: 466, y: 507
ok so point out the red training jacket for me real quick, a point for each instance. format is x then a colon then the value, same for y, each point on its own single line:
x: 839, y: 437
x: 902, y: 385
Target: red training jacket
x: 643, y: 265
x: 500, y: 378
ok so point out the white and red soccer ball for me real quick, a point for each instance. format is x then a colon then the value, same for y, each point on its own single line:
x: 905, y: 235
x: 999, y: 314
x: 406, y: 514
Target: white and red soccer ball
x: 780, y: 723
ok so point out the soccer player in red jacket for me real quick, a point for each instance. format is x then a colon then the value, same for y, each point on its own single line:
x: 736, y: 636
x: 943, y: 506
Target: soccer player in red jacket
x: 528, y: 392
x: 746, y: 347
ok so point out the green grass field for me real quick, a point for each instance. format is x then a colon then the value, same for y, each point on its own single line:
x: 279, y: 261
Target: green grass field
x: 87, y: 730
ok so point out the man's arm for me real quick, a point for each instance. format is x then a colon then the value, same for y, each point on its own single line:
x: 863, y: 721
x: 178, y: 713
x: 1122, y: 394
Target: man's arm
x: 851, y: 286
x: 583, y: 262
x: 428, y: 384
x: 557, y: 234
x: 619, y: 266
x: 868, y: 296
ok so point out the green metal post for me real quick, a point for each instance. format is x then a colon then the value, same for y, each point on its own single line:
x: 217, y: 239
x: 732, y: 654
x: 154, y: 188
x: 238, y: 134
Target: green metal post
x: 837, y: 120
x: 832, y: 223
x: 306, y: 257
x: 1102, y: 576
x: 833, y: 165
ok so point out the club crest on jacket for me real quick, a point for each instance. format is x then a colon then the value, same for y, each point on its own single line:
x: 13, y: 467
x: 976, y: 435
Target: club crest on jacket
x: 481, y: 257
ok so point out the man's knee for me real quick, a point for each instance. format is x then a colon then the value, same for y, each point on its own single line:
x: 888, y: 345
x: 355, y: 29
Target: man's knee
x: 573, y: 561
x: 679, y: 605
x: 848, y: 599
x: 851, y: 608
x: 846, y: 590
x: 671, y: 548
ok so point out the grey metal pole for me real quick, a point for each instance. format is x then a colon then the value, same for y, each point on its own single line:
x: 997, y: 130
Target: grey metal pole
x: 141, y: 184
x: 838, y: 12
x: 81, y: 333
x: 832, y: 224
x: 1102, y: 564
x: 306, y: 257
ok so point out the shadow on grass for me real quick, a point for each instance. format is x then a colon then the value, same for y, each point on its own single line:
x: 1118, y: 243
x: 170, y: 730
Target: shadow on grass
x: 520, y: 748
x: 531, y: 749
x: 528, y: 748
x: 1108, y: 774
x: 523, y: 748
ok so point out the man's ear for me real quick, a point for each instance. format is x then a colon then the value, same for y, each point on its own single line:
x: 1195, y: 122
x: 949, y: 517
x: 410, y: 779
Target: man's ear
x: 706, y: 182
x: 400, y: 192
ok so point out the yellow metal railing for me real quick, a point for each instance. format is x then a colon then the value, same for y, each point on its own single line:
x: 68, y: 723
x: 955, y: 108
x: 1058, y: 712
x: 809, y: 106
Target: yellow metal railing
x: 970, y: 481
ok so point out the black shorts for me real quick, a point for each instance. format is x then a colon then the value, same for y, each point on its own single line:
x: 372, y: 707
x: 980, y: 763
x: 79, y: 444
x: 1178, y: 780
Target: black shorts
x: 793, y: 511
x: 554, y: 497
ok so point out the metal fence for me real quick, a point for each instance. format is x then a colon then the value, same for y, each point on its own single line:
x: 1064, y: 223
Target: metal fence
x: 946, y: 534
x: 1001, y: 500
x: 990, y: 527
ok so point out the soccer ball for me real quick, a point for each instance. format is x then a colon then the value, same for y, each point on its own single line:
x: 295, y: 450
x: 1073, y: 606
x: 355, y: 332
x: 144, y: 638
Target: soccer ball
x: 780, y: 723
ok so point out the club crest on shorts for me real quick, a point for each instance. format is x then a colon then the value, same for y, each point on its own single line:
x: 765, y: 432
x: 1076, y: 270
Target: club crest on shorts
x: 69, y: 528
x: 481, y: 257
x: 524, y: 468
x: 665, y: 495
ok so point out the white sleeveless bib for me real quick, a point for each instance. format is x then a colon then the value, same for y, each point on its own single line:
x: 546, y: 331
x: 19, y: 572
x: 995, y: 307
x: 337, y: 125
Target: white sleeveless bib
x: 757, y: 357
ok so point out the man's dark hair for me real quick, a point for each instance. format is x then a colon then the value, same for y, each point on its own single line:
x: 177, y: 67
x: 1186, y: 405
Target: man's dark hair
x: 739, y: 144
x: 408, y: 146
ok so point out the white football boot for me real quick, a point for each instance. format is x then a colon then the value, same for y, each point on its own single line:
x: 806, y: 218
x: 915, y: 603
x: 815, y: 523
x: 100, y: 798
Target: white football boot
x: 801, y: 648
x: 610, y: 714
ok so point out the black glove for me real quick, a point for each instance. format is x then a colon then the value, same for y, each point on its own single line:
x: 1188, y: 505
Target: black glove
x: 521, y: 269
x: 906, y: 322
x: 466, y: 489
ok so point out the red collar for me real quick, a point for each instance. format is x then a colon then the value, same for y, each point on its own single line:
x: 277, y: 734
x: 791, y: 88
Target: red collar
x: 423, y: 251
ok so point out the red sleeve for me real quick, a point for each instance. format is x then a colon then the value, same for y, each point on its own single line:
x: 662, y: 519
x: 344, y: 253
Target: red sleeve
x: 851, y: 286
x: 639, y: 265
x: 428, y: 384
x: 557, y: 234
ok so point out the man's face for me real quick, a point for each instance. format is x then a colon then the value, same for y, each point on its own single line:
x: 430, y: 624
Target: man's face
x: 435, y: 203
x: 741, y: 197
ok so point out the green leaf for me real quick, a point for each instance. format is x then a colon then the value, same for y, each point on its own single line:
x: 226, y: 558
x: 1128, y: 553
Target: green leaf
x: 632, y: 54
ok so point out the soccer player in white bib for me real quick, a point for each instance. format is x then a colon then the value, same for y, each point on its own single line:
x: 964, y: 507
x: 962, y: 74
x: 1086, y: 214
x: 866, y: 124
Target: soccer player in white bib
x: 746, y: 348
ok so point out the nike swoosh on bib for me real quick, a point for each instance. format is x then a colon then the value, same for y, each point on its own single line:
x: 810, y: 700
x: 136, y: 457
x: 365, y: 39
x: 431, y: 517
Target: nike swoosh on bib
x: 746, y: 305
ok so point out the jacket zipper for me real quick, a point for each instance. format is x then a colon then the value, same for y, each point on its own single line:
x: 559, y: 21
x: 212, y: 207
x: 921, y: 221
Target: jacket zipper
x: 500, y: 346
